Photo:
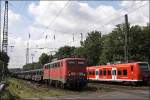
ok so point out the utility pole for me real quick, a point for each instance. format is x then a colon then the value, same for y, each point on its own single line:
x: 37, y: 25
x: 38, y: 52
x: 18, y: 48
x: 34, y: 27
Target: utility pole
x: 3, y: 73
x: 27, y: 53
x: 32, y: 55
x: 81, y: 37
x: 0, y: 25
x: 126, y: 37
x: 149, y: 15
x: 5, y: 29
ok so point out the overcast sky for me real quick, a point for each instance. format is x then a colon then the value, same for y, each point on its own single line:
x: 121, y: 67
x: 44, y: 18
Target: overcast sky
x: 65, y: 19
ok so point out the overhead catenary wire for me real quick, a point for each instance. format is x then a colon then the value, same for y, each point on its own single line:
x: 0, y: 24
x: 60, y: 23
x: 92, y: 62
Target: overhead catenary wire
x: 64, y: 32
x: 120, y: 16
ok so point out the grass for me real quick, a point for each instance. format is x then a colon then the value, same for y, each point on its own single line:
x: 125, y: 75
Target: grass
x: 21, y: 89
x: 24, y: 89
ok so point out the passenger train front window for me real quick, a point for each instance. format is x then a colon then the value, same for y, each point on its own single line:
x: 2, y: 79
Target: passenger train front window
x: 144, y: 67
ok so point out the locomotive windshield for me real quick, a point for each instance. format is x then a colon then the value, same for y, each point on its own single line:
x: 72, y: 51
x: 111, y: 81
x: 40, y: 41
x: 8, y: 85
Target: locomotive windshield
x: 76, y: 63
x: 144, y: 67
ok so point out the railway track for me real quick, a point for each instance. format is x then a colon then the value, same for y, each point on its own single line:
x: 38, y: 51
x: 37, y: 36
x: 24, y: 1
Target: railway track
x: 117, y: 87
x: 96, y: 87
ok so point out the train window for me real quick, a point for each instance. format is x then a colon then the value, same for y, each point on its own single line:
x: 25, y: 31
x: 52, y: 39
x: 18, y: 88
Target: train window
x: 50, y: 65
x: 104, y: 71
x: 61, y: 63
x: 96, y: 72
x: 93, y: 72
x: 125, y: 72
x: 109, y: 72
x: 53, y: 66
x: 58, y: 64
x: 90, y: 73
x: 100, y: 72
x: 81, y: 62
x: 71, y: 63
x: 144, y: 68
x: 45, y: 67
x: 119, y: 72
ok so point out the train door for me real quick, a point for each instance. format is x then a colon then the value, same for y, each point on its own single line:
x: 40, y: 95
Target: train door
x: 96, y: 74
x: 114, y: 70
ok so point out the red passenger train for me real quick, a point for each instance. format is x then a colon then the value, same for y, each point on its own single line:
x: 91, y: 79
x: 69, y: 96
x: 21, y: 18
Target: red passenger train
x: 127, y: 73
x: 70, y: 72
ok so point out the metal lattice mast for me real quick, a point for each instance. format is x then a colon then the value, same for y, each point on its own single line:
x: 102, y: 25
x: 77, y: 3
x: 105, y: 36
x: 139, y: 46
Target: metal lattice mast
x: 5, y: 29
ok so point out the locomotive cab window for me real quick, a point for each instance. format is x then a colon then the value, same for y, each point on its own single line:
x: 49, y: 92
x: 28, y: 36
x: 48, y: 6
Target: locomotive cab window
x: 71, y: 63
x: 81, y: 63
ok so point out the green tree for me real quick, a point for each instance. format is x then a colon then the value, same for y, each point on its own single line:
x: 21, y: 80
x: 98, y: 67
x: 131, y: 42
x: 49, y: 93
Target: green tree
x: 80, y: 52
x: 63, y: 52
x: 4, y: 59
x: 138, y: 44
x: 44, y: 58
x: 32, y: 66
x: 91, y: 47
x: 113, y: 46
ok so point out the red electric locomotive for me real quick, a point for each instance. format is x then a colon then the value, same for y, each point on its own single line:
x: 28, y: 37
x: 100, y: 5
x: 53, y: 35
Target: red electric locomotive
x: 70, y: 72
x: 136, y: 72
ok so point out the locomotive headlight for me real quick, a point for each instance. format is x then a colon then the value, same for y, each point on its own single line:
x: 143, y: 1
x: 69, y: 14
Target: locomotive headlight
x: 82, y: 74
x: 69, y: 73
